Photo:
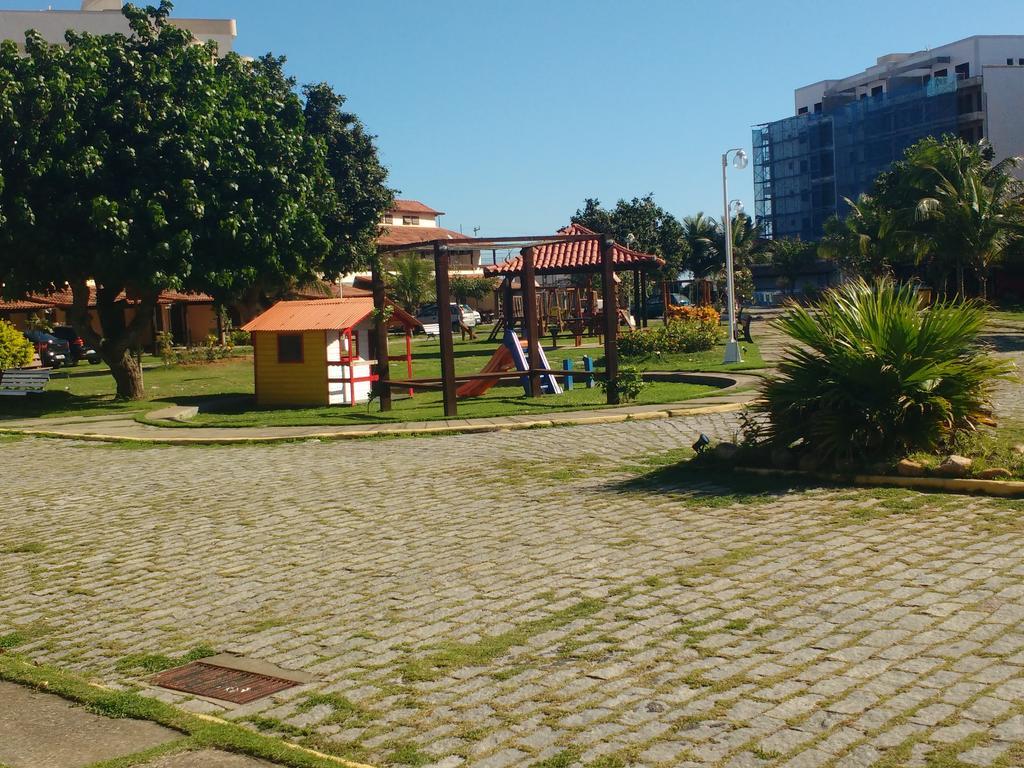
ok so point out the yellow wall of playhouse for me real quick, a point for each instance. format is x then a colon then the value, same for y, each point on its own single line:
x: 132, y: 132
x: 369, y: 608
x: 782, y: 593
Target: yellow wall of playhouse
x: 302, y: 383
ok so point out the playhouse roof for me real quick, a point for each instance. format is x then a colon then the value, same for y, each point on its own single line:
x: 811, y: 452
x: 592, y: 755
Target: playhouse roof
x: 564, y: 257
x: 323, y: 315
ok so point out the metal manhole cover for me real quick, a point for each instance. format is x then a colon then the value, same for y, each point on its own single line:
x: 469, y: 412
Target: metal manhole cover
x: 235, y: 685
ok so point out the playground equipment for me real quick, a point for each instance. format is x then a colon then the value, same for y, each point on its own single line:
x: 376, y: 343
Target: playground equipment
x: 511, y: 354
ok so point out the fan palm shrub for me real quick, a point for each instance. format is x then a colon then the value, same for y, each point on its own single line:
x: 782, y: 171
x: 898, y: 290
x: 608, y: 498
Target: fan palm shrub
x: 872, y: 376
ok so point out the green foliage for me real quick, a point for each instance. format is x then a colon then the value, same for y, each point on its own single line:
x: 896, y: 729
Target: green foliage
x: 871, y: 376
x: 463, y: 288
x: 869, y: 242
x: 640, y: 224
x: 240, y: 338
x: 674, y: 337
x: 148, y: 163
x: 165, y: 346
x: 15, y: 350
x: 39, y: 323
x: 151, y: 663
x: 410, y: 280
x: 630, y: 383
x: 791, y: 256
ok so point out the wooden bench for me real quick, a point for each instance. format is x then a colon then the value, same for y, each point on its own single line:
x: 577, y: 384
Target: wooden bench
x: 22, y: 381
x: 432, y: 329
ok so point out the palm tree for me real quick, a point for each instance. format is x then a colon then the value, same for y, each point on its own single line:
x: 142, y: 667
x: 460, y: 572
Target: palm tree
x: 869, y: 242
x: 410, y: 281
x: 791, y: 256
x: 976, y: 209
x: 700, y: 234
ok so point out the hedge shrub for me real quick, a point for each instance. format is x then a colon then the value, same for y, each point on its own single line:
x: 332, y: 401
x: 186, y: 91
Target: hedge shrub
x: 15, y: 350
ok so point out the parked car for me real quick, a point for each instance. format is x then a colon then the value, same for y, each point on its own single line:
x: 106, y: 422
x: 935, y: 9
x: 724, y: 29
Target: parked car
x: 428, y: 314
x: 656, y: 307
x: 79, y: 349
x: 53, y: 352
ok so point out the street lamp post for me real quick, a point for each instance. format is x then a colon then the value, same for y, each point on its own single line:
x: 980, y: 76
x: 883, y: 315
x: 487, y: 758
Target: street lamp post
x: 732, y: 347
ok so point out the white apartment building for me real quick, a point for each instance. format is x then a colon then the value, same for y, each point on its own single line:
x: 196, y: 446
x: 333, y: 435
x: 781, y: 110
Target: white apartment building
x: 987, y: 72
x: 104, y: 17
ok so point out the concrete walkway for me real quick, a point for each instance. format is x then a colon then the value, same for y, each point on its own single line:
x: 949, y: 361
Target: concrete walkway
x: 118, y: 427
x: 40, y: 730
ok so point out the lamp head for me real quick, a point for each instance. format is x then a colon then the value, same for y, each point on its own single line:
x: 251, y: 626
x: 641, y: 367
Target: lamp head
x: 737, y: 206
x: 702, y: 443
x: 740, y: 160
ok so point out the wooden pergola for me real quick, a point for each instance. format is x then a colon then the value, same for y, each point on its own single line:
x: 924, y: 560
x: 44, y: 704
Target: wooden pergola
x: 595, y: 253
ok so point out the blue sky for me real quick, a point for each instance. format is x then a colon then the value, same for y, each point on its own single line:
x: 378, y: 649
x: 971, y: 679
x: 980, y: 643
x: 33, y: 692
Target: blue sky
x: 508, y: 113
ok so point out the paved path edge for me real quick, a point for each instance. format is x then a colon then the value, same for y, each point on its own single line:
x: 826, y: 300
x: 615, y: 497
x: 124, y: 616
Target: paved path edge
x: 671, y: 410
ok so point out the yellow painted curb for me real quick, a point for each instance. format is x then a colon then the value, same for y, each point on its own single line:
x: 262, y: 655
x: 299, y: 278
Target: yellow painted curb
x: 1009, y: 489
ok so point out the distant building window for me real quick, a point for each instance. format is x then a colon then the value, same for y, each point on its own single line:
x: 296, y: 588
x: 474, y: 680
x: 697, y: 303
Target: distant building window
x: 877, y: 90
x: 289, y: 347
x: 385, y: 219
x: 1009, y: 62
x: 1021, y: 62
x: 863, y: 95
x: 942, y: 73
x: 817, y: 108
x: 802, y: 111
x: 963, y: 70
x: 411, y: 221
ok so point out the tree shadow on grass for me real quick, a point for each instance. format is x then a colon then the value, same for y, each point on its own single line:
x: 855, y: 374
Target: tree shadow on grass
x: 708, y: 485
x: 59, y: 403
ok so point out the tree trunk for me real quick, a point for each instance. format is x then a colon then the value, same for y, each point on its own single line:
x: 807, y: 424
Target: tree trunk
x: 127, y: 373
x: 960, y: 285
x: 120, y: 337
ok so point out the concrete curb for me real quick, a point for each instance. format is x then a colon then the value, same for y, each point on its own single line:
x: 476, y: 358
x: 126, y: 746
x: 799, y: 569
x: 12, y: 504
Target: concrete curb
x: 668, y: 413
x: 1007, y: 489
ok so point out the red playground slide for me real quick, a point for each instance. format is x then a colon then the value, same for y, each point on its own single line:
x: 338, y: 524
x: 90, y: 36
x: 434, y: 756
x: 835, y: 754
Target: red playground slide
x: 500, y: 362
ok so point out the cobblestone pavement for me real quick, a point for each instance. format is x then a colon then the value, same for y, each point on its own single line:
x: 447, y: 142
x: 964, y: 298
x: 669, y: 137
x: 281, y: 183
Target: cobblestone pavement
x: 506, y: 599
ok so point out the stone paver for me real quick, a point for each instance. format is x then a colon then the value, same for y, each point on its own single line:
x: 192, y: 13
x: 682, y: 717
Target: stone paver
x: 38, y: 730
x: 494, y: 599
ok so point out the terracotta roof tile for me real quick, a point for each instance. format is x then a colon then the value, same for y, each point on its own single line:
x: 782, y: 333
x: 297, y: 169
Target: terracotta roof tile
x: 398, y: 235
x: 575, y: 256
x: 414, y: 206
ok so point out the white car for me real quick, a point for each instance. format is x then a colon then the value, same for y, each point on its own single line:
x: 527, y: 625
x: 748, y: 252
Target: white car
x: 428, y: 315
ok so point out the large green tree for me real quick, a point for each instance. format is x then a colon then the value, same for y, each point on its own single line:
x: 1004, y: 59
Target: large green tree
x: 964, y: 211
x: 870, y: 241
x: 144, y: 162
x: 642, y: 225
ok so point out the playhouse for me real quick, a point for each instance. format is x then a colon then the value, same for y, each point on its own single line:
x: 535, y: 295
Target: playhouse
x: 318, y: 352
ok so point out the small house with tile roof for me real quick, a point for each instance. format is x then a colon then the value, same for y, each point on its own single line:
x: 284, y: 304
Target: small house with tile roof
x: 317, y: 352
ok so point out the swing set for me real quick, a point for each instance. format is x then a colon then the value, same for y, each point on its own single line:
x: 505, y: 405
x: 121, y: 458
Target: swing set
x: 574, y: 250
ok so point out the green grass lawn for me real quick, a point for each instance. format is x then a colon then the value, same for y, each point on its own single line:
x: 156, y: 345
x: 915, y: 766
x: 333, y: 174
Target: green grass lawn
x: 88, y: 390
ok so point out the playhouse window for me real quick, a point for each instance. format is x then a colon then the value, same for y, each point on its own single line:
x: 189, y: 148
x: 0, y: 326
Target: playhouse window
x: 289, y: 348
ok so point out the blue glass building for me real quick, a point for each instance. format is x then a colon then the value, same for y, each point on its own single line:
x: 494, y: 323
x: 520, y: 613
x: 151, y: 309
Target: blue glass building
x: 848, y: 131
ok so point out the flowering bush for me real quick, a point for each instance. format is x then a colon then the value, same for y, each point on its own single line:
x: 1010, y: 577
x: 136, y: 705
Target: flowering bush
x: 703, y: 314
x: 687, y: 329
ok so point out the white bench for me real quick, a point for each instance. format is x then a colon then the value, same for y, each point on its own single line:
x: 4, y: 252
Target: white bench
x: 432, y: 329
x: 22, y: 381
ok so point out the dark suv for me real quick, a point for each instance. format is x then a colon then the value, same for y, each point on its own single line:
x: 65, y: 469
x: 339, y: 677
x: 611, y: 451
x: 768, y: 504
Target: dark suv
x: 53, y: 352
x: 79, y: 349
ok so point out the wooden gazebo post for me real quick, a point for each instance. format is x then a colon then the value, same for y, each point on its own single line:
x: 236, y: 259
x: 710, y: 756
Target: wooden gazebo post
x: 611, y: 319
x: 380, y: 335
x: 637, y: 298
x: 444, y: 318
x: 529, y: 283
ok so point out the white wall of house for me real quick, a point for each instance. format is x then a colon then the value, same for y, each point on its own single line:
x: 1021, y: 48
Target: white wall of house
x: 339, y: 393
x: 106, y: 19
